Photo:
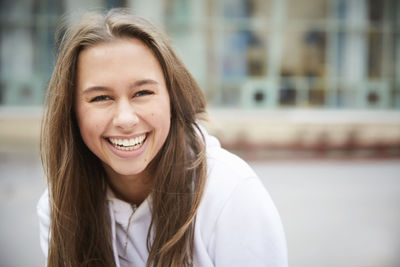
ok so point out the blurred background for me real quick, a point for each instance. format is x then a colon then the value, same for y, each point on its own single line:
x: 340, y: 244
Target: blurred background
x: 307, y: 91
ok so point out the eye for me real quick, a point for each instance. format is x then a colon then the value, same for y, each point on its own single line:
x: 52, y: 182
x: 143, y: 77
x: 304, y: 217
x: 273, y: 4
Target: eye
x: 100, y: 98
x: 143, y: 93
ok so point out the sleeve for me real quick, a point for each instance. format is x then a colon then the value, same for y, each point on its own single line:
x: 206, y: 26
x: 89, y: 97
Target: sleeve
x: 43, y: 211
x: 249, y: 231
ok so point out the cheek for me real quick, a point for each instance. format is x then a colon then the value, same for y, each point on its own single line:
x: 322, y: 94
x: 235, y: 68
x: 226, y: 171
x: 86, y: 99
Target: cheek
x: 159, y: 115
x: 161, y: 123
x: 164, y: 119
x: 160, y: 120
x: 85, y: 130
x: 90, y: 128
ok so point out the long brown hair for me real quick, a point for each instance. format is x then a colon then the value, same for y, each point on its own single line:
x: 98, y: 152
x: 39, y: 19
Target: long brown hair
x: 80, y: 228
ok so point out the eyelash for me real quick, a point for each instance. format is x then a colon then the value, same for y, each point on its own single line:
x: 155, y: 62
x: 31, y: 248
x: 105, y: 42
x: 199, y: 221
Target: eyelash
x: 143, y: 93
x: 100, y: 98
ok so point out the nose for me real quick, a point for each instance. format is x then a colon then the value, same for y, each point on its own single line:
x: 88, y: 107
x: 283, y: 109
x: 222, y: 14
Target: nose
x: 125, y: 116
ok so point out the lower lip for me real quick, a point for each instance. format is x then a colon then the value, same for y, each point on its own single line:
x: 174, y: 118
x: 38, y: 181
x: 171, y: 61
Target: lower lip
x: 128, y: 153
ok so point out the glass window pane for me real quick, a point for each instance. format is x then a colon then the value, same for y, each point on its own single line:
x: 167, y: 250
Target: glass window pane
x: 376, y: 11
x: 234, y: 54
x: 307, y: 9
x: 317, y: 92
x: 243, y: 54
x: 246, y: 8
x: 256, y: 54
x: 375, y: 55
x: 304, y: 53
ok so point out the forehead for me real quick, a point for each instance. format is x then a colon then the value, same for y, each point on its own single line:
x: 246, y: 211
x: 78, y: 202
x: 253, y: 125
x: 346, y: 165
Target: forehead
x: 122, y: 44
x: 123, y: 56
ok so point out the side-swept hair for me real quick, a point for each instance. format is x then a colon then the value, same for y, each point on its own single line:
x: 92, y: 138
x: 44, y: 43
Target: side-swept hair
x: 80, y: 227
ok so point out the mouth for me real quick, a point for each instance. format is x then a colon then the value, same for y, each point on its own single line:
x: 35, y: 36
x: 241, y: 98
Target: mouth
x: 127, y: 144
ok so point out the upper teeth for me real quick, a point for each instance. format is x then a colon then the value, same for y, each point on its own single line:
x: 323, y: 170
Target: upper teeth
x: 127, y: 141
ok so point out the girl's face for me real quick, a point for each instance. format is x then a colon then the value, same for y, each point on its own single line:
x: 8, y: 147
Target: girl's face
x: 122, y: 105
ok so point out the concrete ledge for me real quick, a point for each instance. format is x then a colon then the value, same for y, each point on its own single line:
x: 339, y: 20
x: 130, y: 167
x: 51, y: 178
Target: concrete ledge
x: 302, y: 130
x: 256, y: 129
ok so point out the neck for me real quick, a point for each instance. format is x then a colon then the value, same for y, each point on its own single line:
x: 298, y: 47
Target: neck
x: 130, y: 188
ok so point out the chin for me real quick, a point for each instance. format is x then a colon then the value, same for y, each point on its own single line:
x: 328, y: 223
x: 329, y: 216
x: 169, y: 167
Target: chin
x: 128, y: 171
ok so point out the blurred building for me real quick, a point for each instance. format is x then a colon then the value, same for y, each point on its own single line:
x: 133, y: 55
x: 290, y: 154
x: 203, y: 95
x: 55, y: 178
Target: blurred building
x: 320, y: 75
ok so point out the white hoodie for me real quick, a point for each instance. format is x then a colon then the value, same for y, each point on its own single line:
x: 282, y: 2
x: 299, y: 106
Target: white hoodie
x: 237, y: 223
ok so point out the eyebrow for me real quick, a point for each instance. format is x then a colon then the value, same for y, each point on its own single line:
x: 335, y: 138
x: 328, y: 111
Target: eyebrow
x: 134, y: 85
x: 143, y: 82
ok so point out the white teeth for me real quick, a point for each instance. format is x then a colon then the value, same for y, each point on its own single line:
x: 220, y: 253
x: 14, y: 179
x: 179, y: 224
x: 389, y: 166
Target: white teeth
x: 127, y: 144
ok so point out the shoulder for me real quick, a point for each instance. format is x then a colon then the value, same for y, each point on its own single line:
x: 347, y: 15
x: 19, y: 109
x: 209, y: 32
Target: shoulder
x: 237, y: 220
x: 224, y: 165
x: 43, y: 211
x: 43, y: 207
x: 231, y: 182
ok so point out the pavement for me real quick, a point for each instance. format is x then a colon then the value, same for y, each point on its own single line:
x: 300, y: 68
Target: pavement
x: 336, y: 213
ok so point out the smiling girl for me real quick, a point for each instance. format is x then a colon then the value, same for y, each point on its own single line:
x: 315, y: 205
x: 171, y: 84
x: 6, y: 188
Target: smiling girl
x: 133, y: 180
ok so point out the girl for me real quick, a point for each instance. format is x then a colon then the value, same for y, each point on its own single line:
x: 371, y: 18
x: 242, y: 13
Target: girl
x: 133, y: 180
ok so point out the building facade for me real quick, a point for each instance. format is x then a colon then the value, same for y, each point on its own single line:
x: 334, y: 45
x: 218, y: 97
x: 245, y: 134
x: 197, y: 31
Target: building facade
x: 263, y: 58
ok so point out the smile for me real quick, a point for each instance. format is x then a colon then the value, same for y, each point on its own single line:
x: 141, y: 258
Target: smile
x: 127, y: 144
